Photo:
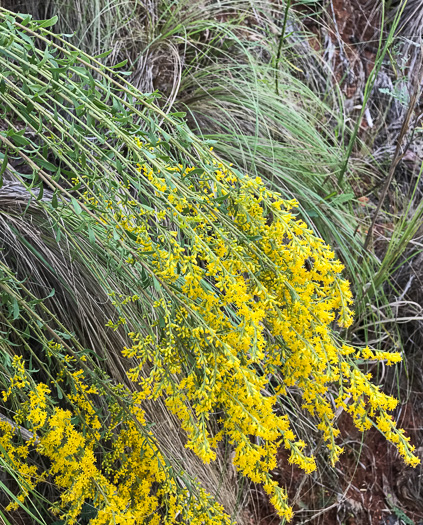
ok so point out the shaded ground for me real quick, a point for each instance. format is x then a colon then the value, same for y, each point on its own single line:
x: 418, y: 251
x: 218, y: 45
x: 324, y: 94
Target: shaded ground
x: 369, y: 486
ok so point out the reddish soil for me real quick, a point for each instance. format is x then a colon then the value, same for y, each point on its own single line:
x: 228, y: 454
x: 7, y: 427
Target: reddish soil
x: 371, y: 485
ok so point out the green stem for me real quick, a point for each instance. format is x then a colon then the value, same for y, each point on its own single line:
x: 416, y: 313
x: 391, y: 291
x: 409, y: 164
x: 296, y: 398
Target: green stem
x: 281, y: 39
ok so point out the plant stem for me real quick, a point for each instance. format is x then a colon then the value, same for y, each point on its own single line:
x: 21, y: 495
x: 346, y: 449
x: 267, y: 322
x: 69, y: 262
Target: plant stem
x: 281, y: 39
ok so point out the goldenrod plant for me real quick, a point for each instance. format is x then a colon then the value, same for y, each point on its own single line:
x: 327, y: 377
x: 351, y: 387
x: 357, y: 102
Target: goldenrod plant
x: 227, y: 300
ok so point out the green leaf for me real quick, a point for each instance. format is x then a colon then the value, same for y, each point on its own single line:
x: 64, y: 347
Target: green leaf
x: 46, y: 56
x: 121, y: 64
x: 221, y: 199
x: 3, y: 168
x: 45, y: 164
x: 16, y: 309
x: 104, y: 55
x: 20, y: 141
x: 26, y: 38
x: 47, y: 23
x: 157, y: 285
x: 76, y: 206
x: 254, y: 237
x: 333, y: 194
x: 40, y: 192
x: 148, y: 208
x: 101, y: 105
x: 60, y: 396
x: 91, y: 235
x: 51, y: 294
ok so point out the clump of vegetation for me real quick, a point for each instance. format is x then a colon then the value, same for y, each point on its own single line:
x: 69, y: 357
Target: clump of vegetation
x: 223, y: 297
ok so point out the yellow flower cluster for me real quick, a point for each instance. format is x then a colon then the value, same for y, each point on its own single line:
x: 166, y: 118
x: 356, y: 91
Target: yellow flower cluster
x: 15, y: 455
x: 243, y: 299
x: 132, y: 485
x: 256, y: 293
x: 19, y: 379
